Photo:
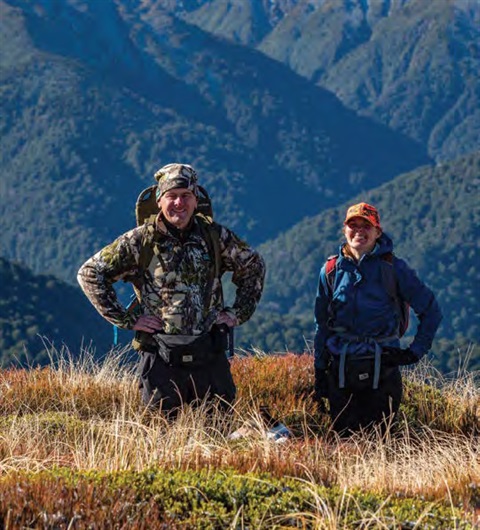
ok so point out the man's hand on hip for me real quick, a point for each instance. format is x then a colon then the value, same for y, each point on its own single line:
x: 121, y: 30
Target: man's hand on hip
x: 228, y: 318
x: 148, y: 323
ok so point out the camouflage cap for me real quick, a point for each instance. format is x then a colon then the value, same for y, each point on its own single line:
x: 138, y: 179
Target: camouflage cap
x: 365, y: 211
x: 174, y: 176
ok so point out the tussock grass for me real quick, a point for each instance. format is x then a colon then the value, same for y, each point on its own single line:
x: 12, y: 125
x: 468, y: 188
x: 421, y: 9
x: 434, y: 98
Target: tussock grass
x: 86, y: 417
x: 81, y: 386
x: 449, y: 404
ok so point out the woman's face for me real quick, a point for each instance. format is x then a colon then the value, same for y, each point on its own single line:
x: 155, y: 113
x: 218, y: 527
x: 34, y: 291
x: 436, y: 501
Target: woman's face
x: 361, y: 235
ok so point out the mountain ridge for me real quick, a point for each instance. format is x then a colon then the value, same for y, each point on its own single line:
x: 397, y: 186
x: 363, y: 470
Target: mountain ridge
x: 34, y: 320
x: 409, y: 64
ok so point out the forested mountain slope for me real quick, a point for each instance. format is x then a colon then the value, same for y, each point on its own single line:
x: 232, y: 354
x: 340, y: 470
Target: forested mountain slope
x: 410, y: 64
x: 38, y: 311
x: 433, y: 215
x: 246, y: 22
x: 96, y: 96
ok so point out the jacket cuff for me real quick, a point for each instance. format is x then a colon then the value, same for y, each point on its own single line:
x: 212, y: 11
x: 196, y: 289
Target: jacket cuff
x: 416, y: 350
x: 232, y: 313
x: 128, y: 321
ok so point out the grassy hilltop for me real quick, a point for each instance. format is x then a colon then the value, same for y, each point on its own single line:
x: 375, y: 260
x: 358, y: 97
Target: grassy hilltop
x: 78, y: 451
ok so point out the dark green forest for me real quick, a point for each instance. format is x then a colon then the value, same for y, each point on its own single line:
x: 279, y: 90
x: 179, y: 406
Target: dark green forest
x: 39, y: 313
x: 412, y: 65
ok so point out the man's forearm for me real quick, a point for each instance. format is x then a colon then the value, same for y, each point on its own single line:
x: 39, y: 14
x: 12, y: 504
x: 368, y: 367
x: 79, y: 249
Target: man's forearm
x: 102, y: 295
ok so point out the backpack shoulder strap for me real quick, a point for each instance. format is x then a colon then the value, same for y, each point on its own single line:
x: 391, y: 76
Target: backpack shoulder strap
x: 211, y: 233
x: 389, y: 277
x: 390, y: 283
x: 331, y: 270
x: 388, y: 257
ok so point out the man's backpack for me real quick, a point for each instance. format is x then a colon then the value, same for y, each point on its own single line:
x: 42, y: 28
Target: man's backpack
x: 389, y: 280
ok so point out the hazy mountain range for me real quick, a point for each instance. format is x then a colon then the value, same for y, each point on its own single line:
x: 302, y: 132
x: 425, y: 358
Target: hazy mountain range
x: 410, y: 64
x: 289, y: 110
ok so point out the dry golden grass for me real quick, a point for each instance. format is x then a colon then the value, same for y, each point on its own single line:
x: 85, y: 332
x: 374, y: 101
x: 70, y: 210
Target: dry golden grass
x: 87, y: 416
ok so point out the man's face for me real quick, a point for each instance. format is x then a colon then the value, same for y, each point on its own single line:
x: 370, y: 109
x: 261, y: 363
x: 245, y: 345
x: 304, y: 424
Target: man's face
x: 361, y: 235
x: 178, y: 205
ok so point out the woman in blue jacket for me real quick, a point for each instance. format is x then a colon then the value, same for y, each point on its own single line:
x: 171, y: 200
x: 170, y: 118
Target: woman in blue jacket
x: 361, y: 297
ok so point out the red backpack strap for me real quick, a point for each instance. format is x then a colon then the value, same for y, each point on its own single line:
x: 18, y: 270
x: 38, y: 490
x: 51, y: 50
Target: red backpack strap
x: 330, y: 271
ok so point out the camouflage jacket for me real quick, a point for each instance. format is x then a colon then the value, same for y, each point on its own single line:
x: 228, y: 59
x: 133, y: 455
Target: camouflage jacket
x: 175, y: 286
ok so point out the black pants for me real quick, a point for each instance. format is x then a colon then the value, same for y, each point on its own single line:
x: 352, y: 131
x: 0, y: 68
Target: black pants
x: 352, y: 410
x: 169, y: 387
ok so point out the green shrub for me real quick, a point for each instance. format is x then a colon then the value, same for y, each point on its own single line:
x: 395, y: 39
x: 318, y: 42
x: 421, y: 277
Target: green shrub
x: 206, y: 499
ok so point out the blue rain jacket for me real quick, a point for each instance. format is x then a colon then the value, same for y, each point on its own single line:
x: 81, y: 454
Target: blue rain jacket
x: 360, y: 306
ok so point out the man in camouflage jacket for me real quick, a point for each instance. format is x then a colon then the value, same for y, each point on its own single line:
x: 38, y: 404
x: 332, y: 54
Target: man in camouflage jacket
x: 179, y: 298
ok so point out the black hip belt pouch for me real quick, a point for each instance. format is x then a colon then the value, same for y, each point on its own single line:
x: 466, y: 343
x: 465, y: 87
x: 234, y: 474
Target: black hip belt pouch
x: 191, y: 350
x: 359, y: 373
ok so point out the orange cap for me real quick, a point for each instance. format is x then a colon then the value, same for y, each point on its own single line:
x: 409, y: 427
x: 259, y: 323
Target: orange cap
x: 365, y: 211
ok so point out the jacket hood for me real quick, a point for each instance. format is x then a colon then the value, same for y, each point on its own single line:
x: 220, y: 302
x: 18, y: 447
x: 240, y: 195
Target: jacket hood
x: 383, y: 246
